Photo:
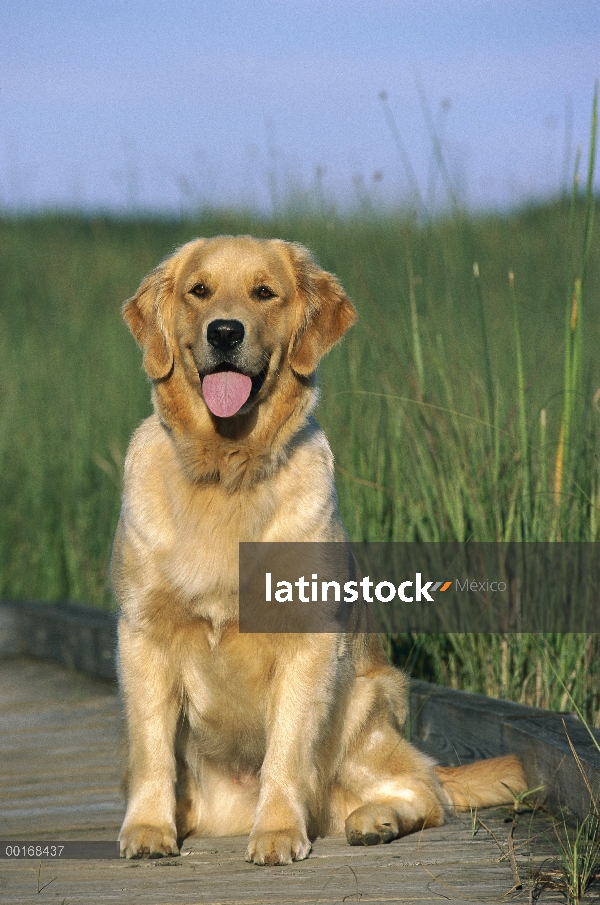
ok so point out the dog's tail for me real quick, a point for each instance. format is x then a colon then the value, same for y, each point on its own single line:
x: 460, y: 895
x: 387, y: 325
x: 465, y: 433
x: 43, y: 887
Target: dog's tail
x: 483, y: 784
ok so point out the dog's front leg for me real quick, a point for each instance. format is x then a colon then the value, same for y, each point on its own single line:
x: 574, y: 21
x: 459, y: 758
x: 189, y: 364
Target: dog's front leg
x: 151, y: 708
x: 291, y: 772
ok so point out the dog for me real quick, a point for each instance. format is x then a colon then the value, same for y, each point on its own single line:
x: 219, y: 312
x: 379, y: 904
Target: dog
x: 285, y: 737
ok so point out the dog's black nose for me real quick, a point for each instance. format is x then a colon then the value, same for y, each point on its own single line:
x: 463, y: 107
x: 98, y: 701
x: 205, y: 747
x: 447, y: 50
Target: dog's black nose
x: 224, y: 335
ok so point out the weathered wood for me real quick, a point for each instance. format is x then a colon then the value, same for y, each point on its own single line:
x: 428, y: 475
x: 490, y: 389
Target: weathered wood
x: 453, y: 726
x: 442, y: 865
x: 77, y: 637
x: 59, y: 780
x: 457, y: 727
x: 58, y: 750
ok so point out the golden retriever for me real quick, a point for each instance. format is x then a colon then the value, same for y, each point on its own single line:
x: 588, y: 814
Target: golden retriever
x: 286, y: 737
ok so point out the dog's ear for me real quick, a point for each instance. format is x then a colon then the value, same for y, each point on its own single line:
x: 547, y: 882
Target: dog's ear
x: 148, y: 314
x: 326, y: 313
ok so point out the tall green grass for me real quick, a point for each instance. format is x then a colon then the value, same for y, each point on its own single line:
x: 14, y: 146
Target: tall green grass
x: 486, y: 427
x: 464, y: 404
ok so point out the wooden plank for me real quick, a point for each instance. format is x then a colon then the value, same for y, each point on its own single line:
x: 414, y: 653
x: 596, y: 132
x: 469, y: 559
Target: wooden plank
x: 59, y: 738
x: 47, y: 713
x: 453, y: 726
x: 77, y: 637
x: 456, y: 727
x: 448, y: 864
x: 550, y: 761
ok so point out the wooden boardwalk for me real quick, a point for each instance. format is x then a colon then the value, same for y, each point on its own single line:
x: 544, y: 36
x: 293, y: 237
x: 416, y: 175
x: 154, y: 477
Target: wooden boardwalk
x: 59, y: 780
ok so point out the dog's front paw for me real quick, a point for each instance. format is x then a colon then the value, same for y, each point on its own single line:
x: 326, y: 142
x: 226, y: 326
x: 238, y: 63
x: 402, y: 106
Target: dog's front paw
x: 140, y: 840
x: 280, y: 847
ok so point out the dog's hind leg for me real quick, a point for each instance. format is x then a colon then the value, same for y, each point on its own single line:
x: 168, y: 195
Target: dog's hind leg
x: 384, y: 787
x: 396, y: 786
x: 389, y: 789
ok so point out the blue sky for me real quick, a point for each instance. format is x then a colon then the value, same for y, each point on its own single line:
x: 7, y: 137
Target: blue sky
x: 165, y: 105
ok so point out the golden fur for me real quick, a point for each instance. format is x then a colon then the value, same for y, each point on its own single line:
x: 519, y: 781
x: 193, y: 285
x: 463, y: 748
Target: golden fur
x: 284, y: 737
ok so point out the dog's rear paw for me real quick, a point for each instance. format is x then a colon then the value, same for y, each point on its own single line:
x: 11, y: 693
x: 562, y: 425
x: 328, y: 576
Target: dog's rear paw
x: 371, y: 825
x: 141, y: 840
x: 281, y: 847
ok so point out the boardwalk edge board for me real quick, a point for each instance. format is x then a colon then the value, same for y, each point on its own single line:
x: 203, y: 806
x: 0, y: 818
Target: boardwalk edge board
x: 458, y: 727
x: 77, y: 637
x: 452, y: 726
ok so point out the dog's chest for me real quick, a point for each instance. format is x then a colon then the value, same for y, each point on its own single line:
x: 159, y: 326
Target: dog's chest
x: 185, y: 536
x: 225, y: 693
x: 200, y: 558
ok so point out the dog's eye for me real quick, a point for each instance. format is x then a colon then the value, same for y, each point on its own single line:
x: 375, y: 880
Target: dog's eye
x: 200, y: 290
x: 263, y: 292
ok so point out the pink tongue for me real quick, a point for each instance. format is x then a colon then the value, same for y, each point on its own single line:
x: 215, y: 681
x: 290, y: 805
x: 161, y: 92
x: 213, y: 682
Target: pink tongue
x: 225, y: 392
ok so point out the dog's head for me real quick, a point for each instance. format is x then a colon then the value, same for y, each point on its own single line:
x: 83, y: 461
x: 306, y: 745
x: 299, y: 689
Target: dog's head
x: 234, y: 313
